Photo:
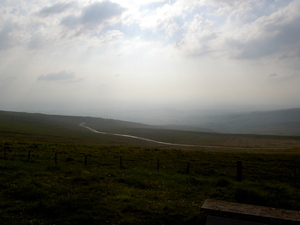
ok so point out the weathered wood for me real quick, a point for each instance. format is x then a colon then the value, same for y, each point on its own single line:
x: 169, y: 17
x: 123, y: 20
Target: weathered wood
x: 212, y: 220
x: 55, y: 158
x: 295, y: 177
x: 28, y: 158
x: 188, y: 168
x: 121, y: 163
x: 85, y: 160
x: 250, y: 213
x: 239, y: 172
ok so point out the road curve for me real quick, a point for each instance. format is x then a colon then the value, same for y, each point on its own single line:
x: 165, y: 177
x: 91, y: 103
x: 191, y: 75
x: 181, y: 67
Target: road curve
x: 175, y: 144
x: 135, y: 137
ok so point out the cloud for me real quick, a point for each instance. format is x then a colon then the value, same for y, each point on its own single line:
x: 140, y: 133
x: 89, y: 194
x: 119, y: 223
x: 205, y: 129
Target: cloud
x: 240, y: 30
x: 200, y: 38
x: 273, y: 75
x: 269, y: 34
x: 7, y: 35
x: 7, y: 79
x: 283, y: 57
x: 152, y: 5
x: 291, y: 79
x: 36, y: 42
x: 94, y: 15
x: 70, y: 21
x: 59, y: 76
x: 55, y: 9
x: 109, y: 38
x: 100, y: 11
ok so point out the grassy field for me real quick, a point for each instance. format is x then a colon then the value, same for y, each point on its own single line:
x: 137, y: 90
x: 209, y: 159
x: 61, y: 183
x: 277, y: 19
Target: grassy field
x: 98, y: 179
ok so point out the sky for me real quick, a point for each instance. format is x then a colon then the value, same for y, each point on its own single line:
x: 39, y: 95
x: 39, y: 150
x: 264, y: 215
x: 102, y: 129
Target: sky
x: 147, y: 60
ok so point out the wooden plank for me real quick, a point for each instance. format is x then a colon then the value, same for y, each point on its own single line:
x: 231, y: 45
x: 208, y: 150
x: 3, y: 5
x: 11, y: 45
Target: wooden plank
x: 252, y: 213
x: 212, y: 220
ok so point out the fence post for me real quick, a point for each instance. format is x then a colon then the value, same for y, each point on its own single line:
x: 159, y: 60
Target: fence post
x: 85, y: 160
x: 121, y: 162
x: 28, y: 156
x: 55, y: 158
x: 158, y: 165
x: 188, y: 168
x: 295, y: 177
x: 4, y: 152
x: 239, y: 171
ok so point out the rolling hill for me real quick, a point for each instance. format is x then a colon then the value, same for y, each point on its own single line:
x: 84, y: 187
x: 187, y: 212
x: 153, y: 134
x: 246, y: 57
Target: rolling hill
x: 35, y: 127
x: 275, y: 122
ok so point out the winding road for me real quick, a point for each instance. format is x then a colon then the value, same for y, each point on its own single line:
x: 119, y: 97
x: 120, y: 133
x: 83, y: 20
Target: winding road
x: 135, y: 137
x: 175, y: 144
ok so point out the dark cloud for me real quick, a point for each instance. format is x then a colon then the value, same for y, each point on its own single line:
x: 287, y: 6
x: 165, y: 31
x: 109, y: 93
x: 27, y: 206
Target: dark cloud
x: 282, y: 36
x: 60, y: 76
x: 7, y: 39
x: 70, y: 21
x: 292, y: 77
x: 36, y: 42
x: 7, y: 79
x: 273, y: 75
x: 55, y: 9
x: 283, y: 57
x: 100, y: 11
x: 94, y: 15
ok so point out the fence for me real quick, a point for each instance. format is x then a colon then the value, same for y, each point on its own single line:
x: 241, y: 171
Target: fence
x: 187, y: 167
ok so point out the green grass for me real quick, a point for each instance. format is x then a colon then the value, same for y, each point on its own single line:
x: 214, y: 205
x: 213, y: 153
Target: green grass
x: 65, y: 129
x: 39, y: 192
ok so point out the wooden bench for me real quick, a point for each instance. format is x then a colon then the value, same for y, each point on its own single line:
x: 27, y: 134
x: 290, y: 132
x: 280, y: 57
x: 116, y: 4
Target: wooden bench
x: 222, y: 212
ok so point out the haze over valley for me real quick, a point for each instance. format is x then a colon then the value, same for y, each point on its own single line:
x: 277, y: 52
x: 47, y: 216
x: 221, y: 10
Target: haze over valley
x: 158, y: 62
x: 284, y: 122
x: 137, y: 111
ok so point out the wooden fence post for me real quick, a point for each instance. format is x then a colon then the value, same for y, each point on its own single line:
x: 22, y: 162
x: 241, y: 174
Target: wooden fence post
x: 121, y: 162
x: 158, y: 165
x: 55, y: 158
x: 239, y: 171
x: 295, y: 177
x: 28, y: 156
x: 85, y: 160
x: 188, y: 168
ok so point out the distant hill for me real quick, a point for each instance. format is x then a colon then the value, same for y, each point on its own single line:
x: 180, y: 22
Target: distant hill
x: 105, y: 124
x: 275, y: 122
x: 36, y: 127
x: 57, y: 128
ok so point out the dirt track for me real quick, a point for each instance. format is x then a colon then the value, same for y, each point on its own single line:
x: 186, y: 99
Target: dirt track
x: 183, y: 145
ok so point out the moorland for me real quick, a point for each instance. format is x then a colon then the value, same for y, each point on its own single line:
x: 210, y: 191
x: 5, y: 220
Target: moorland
x: 54, y: 171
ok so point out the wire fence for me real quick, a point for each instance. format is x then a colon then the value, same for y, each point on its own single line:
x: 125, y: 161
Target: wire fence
x: 237, y: 170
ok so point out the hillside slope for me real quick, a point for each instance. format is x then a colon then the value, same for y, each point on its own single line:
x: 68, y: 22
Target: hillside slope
x: 276, y: 122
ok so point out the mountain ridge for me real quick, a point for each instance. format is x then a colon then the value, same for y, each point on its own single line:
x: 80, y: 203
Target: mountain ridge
x: 271, y: 122
x: 284, y: 122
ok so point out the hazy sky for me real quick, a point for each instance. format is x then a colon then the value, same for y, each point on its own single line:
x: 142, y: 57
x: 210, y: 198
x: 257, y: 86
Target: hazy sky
x: 107, y: 58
